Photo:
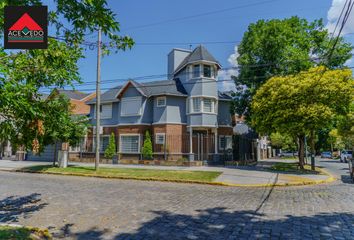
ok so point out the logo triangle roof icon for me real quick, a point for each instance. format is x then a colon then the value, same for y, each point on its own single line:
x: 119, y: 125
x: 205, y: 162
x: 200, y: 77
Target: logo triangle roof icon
x: 25, y: 21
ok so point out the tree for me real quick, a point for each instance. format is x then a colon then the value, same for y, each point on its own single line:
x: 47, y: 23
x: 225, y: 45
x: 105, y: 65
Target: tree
x: 111, y: 149
x: 29, y: 120
x: 345, y: 128
x: 301, y: 103
x: 147, y: 147
x: 282, y: 47
x: 282, y: 141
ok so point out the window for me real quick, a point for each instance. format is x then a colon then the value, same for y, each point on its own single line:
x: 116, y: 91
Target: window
x: 131, y: 106
x: 208, y: 105
x: 196, y: 104
x: 104, y: 141
x: 161, y: 101
x: 225, y: 142
x: 207, y: 71
x: 196, y: 71
x: 203, y: 105
x: 130, y: 143
x: 160, y: 138
x: 105, y: 111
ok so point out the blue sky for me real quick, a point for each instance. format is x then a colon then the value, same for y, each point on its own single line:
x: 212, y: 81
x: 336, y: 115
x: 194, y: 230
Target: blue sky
x: 222, y: 26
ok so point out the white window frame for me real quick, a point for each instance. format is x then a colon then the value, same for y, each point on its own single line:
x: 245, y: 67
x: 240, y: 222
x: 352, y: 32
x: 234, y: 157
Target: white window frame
x: 127, y: 99
x: 132, y: 134
x: 211, y: 70
x: 226, y: 137
x: 157, y: 135
x: 198, y: 73
x: 160, y: 98
x: 101, y: 107
x: 200, y: 104
x: 191, y: 109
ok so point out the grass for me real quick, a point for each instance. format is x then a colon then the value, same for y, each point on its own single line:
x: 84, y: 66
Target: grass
x: 23, y: 233
x: 130, y: 173
x: 293, y: 168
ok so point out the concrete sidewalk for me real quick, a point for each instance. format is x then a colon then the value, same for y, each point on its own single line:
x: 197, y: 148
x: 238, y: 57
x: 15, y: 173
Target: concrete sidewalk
x: 238, y: 176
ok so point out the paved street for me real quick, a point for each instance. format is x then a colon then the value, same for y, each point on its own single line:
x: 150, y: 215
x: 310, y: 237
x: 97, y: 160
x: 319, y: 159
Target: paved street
x: 91, y: 208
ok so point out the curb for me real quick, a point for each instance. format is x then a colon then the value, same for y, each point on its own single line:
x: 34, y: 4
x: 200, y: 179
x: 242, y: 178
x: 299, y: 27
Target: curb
x: 329, y: 179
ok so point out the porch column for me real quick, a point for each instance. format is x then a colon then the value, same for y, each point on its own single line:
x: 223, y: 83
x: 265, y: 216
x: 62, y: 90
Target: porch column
x: 191, y: 155
x: 216, y: 141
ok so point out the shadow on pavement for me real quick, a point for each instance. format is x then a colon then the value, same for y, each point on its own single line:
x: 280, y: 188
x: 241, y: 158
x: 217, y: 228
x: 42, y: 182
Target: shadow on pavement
x: 221, y: 223
x: 13, y: 207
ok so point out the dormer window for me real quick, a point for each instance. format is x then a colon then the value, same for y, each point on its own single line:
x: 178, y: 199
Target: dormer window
x: 208, y: 71
x: 196, y: 71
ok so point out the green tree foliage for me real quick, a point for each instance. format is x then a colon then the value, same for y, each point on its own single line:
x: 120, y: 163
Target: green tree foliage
x: 301, y: 103
x: 282, y: 47
x: 111, y: 149
x: 147, y: 147
x: 283, y: 141
x: 27, y: 118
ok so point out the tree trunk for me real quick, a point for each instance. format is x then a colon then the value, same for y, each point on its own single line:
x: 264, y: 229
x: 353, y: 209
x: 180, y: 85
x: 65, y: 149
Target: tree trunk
x: 301, y: 151
x: 313, y: 151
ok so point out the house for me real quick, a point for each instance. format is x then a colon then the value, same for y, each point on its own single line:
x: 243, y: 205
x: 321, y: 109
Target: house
x: 189, y: 119
x: 78, y: 108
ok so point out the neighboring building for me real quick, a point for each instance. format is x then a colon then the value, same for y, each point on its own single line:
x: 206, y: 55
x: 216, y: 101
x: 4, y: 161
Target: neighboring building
x: 186, y: 115
x: 79, y: 108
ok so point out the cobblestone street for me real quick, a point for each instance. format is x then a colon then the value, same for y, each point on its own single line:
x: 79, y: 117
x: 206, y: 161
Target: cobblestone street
x: 90, y: 208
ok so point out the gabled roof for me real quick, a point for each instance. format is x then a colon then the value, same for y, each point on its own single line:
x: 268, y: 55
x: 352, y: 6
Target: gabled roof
x: 148, y: 89
x: 73, y: 94
x: 199, y: 54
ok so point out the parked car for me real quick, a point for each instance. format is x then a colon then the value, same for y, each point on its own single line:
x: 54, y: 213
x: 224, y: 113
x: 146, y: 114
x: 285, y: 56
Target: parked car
x: 326, y: 155
x: 288, y: 154
x: 351, y: 168
x: 346, y: 155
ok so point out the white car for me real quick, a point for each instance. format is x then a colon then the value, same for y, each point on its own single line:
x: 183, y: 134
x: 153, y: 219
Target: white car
x: 346, y: 155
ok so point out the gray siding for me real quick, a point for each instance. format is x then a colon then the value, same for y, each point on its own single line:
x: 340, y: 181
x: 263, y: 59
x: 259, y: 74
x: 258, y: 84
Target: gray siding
x: 224, y: 116
x: 173, y: 112
x: 203, y: 119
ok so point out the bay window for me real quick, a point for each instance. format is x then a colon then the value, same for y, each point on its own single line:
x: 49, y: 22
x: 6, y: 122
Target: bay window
x: 207, y: 71
x: 203, y: 105
x: 196, y: 71
x: 196, y: 104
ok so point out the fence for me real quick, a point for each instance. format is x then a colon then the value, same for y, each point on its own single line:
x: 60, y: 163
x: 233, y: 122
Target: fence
x: 205, y: 147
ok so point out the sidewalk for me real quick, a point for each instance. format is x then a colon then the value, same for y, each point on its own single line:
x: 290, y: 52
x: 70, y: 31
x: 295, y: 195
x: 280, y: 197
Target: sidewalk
x: 236, y: 176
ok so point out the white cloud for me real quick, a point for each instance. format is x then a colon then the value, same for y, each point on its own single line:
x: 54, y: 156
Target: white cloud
x: 333, y: 15
x: 224, y: 76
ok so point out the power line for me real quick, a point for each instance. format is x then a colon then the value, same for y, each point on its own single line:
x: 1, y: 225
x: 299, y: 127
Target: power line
x: 198, y: 15
x: 152, y: 85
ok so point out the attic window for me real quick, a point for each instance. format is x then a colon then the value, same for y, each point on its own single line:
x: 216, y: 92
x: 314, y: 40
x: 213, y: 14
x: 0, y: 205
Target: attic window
x: 196, y: 71
x: 207, y: 71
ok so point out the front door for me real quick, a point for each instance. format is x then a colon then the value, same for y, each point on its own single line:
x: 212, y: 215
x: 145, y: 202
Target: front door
x: 203, y: 145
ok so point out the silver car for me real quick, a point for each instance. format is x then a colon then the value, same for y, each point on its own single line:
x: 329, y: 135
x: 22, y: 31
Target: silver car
x: 346, y: 155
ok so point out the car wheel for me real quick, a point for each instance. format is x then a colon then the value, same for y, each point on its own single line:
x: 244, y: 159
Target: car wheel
x: 345, y: 160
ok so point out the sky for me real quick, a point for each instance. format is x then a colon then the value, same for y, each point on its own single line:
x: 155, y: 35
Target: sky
x: 158, y: 26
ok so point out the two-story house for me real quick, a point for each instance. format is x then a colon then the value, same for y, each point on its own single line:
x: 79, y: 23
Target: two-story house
x: 78, y: 108
x: 186, y: 115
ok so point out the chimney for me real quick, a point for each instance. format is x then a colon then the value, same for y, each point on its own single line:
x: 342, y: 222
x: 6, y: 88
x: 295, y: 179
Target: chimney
x: 175, y: 57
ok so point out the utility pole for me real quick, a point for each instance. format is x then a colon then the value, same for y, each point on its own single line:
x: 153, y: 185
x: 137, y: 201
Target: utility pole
x: 98, y: 101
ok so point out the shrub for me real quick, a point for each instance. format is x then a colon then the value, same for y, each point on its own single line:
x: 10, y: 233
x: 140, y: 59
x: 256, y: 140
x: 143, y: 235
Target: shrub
x: 147, y: 147
x: 111, y: 149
